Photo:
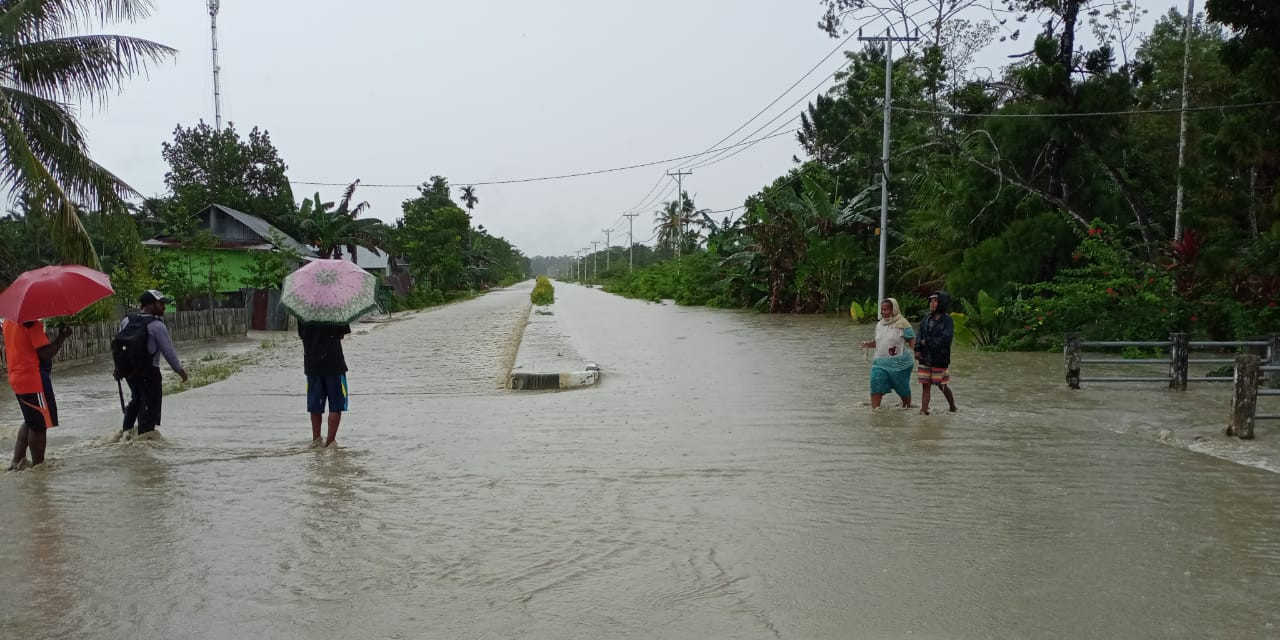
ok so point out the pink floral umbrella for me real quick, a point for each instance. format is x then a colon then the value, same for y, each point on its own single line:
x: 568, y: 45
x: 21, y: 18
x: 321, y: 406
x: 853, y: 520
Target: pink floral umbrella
x: 329, y: 292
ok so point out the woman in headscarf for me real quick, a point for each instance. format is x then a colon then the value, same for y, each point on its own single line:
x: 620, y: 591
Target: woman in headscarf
x: 894, y: 359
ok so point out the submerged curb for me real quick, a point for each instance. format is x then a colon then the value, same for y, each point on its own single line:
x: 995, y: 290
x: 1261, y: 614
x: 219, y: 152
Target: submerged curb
x: 523, y: 381
x: 546, y: 357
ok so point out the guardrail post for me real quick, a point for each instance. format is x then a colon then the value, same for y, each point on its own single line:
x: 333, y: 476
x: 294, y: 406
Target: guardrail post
x: 1273, y: 356
x: 1244, y: 397
x: 1071, y: 353
x: 1178, y: 357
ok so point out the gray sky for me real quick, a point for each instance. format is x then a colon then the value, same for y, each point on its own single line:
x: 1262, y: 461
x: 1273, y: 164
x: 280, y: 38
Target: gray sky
x: 478, y: 90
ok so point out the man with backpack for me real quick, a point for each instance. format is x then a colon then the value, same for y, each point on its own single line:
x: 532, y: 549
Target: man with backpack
x: 136, y: 351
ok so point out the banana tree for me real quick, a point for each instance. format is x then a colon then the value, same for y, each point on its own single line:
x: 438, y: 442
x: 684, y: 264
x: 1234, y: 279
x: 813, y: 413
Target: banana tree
x: 331, y: 228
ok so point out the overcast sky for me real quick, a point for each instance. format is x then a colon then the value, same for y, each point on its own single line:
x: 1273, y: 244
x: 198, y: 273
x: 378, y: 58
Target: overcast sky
x: 392, y: 92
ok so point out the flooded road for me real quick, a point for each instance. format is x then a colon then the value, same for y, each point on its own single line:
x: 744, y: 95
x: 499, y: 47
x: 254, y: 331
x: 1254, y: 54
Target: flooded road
x: 725, y: 480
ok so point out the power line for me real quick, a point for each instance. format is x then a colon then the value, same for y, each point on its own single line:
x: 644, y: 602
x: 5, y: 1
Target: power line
x: 646, y: 196
x: 1090, y: 114
x: 655, y: 197
x: 662, y: 195
x: 720, y: 156
x: 646, y: 201
x: 795, y: 84
x: 540, y: 178
x: 713, y: 161
x: 771, y: 188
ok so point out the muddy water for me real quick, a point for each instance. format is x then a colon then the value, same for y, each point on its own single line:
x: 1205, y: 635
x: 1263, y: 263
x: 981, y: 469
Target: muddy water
x: 725, y: 480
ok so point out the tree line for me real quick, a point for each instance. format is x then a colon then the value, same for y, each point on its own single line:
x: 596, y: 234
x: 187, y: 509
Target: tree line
x: 1044, y: 197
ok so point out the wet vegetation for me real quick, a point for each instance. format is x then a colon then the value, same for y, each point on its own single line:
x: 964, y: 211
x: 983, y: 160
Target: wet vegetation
x: 543, y: 293
x: 1045, y: 198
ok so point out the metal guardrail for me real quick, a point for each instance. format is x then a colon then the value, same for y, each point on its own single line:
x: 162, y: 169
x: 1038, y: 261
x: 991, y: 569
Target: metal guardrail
x: 1179, y: 361
x: 1249, y: 368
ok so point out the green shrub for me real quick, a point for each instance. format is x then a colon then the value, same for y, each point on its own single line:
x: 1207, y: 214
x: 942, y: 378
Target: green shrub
x: 690, y: 280
x: 1107, y: 295
x: 543, y: 292
x: 420, y: 297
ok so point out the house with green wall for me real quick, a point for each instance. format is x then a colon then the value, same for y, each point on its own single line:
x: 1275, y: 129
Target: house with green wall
x: 236, y: 237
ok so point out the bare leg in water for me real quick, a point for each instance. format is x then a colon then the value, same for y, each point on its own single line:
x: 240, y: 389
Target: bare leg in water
x: 315, y: 427
x: 36, y: 440
x: 20, y: 449
x: 335, y: 418
x: 925, y: 391
x: 951, y: 399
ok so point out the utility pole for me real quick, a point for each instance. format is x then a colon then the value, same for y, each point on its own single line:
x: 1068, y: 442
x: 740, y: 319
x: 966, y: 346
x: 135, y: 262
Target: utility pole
x: 1182, y: 129
x: 888, y: 39
x: 608, y: 248
x: 680, y: 204
x: 584, y: 262
x: 214, y: 5
x: 631, y: 241
x: 577, y: 266
x: 595, y: 260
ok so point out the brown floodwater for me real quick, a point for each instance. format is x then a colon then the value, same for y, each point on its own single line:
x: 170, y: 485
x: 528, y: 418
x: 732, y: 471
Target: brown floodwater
x: 725, y: 480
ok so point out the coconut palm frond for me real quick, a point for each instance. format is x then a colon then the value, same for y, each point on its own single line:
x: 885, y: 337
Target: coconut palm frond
x: 44, y: 67
x: 81, y: 68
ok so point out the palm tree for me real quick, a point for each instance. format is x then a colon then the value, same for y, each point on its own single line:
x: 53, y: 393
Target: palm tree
x: 671, y: 224
x: 44, y: 70
x: 469, y: 197
x: 329, y: 229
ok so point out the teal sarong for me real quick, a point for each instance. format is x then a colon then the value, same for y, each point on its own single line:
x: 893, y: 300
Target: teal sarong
x: 894, y: 372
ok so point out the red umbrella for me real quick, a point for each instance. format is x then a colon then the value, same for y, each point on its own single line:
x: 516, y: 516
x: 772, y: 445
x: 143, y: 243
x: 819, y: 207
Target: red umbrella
x: 59, y: 290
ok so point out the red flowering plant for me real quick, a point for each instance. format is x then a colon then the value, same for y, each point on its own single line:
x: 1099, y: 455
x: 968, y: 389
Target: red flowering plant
x: 1107, y: 293
x: 1234, y: 294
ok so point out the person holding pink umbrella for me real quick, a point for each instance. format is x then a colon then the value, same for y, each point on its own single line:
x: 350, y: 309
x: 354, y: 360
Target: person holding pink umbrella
x: 326, y: 369
x: 326, y: 296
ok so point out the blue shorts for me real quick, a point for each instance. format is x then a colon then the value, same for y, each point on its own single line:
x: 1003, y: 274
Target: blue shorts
x: 331, y: 389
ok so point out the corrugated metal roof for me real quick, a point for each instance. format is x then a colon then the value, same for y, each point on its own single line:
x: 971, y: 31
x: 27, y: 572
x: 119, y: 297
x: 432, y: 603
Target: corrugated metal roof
x: 262, y: 228
x: 367, y: 259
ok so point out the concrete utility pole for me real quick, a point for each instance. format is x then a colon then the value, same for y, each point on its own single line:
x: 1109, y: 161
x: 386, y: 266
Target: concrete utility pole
x: 595, y: 259
x: 608, y: 248
x: 680, y: 204
x: 1182, y: 130
x: 888, y: 39
x: 631, y: 241
x: 214, y: 5
x: 577, y: 266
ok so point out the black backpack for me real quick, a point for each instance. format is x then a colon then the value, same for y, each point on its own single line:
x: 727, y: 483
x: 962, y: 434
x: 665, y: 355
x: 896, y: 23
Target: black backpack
x: 129, y: 347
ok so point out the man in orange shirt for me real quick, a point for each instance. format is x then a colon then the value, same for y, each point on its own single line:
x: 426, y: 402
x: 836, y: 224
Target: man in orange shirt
x: 29, y: 352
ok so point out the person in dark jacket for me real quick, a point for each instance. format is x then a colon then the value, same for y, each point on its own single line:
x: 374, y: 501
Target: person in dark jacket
x: 326, y: 369
x: 933, y: 350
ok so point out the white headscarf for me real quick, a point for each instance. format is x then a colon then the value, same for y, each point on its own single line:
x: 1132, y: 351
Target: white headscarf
x: 896, y: 320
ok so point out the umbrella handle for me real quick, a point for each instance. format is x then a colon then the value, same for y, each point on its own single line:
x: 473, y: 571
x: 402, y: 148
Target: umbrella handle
x: 120, y: 388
